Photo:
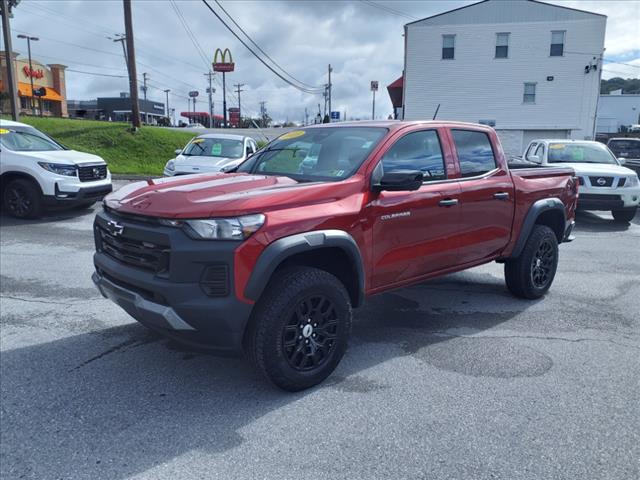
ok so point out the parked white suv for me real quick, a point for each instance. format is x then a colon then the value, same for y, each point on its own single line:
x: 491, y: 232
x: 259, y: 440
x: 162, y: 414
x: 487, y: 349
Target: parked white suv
x: 36, y: 173
x: 211, y: 152
x: 604, y: 183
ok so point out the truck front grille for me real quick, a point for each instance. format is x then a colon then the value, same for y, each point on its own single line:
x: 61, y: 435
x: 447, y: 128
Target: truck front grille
x: 601, y: 181
x: 144, y: 255
x: 92, y: 173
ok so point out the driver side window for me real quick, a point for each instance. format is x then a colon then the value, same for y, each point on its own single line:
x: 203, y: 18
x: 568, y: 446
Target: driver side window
x: 417, y: 151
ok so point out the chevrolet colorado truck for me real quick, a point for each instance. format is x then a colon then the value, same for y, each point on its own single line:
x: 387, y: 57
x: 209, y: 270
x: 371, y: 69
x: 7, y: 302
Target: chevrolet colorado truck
x: 271, y: 258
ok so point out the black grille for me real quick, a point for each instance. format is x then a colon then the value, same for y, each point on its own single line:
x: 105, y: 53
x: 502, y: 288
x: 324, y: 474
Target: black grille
x: 595, y: 196
x: 603, y: 181
x: 145, y: 255
x: 92, y: 173
x: 215, y: 281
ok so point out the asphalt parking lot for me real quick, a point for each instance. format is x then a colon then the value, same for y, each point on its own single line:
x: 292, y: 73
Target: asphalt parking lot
x: 452, y: 378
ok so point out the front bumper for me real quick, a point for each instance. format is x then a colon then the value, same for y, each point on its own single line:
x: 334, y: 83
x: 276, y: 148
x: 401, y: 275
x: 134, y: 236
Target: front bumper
x: 173, y: 299
x: 62, y: 198
x: 605, y: 198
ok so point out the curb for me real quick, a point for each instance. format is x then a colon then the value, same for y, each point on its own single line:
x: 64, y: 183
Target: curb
x: 124, y: 176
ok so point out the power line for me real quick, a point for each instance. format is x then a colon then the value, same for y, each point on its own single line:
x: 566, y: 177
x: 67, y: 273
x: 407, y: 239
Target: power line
x: 98, y: 74
x: 284, y: 79
x: 263, y: 52
x: 388, y: 9
x: 192, y: 37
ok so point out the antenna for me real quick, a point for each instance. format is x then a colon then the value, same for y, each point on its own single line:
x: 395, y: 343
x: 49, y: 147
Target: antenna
x: 436, y: 114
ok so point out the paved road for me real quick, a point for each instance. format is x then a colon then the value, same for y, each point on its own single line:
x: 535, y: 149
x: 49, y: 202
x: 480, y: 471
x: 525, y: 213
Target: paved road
x: 449, y: 379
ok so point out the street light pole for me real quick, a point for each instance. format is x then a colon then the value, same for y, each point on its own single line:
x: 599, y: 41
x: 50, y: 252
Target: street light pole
x: 29, y: 39
x: 167, y: 93
x: 5, y: 10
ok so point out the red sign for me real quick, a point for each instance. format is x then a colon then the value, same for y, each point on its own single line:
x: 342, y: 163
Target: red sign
x: 223, y: 65
x: 32, y: 73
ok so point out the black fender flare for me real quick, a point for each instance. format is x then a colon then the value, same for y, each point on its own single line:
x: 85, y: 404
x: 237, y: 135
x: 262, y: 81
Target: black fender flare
x: 538, y: 207
x: 285, y: 247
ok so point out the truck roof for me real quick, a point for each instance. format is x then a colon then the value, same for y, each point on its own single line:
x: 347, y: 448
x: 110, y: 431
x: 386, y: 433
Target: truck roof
x: 397, y: 124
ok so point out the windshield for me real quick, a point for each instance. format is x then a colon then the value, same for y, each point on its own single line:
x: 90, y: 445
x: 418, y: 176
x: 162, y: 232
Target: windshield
x: 214, y: 147
x: 327, y: 153
x: 26, y: 139
x: 625, y: 148
x: 580, y: 153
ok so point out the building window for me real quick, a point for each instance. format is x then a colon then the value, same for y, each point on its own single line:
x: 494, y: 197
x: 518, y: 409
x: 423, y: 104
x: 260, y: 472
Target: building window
x: 448, y: 47
x: 24, y: 103
x: 474, y: 151
x: 502, y: 45
x: 557, y: 43
x: 529, y: 93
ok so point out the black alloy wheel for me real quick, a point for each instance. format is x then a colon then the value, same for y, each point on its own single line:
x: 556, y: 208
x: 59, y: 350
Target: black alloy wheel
x: 308, y: 338
x: 542, y: 264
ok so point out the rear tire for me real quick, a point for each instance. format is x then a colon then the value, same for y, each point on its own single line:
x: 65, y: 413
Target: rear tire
x: 532, y: 273
x: 300, y: 328
x: 22, y: 199
x: 624, y: 214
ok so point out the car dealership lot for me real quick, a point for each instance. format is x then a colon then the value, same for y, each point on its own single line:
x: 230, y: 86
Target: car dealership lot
x: 453, y: 378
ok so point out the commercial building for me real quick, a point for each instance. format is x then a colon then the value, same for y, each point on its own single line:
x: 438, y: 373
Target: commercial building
x: 47, y: 79
x: 118, y: 109
x: 617, y: 112
x: 527, y: 68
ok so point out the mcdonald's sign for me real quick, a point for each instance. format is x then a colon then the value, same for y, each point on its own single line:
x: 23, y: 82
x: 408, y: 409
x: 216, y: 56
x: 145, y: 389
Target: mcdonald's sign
x: 223, y: 64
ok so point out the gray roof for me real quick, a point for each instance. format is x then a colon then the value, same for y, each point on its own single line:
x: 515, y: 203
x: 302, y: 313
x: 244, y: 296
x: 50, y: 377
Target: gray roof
x: 501, y: 11
x: 227, y: 136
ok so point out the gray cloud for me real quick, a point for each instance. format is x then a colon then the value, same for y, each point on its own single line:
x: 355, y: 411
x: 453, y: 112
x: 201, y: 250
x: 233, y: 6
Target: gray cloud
x: 360, y: 41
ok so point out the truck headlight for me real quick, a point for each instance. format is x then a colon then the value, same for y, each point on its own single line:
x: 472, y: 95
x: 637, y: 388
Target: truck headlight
x: 237, y: 228
x: 632, y: 181
x: 171, y: 165
x: 60, y: 168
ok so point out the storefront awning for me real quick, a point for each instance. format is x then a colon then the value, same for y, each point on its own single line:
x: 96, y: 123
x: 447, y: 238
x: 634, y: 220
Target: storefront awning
x: 24, y: 90
x: 395, y: 92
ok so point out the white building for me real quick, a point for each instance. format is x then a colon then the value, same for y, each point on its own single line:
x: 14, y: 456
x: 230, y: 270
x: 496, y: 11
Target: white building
x: 617, y: 110
x: 528, y: 68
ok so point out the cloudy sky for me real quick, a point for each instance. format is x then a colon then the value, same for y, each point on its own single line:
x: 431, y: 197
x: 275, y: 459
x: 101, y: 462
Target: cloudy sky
x: 362, y: 40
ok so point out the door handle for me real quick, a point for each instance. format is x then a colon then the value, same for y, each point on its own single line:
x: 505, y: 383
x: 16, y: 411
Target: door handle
x: 501, y: 196
x: 450, y: 202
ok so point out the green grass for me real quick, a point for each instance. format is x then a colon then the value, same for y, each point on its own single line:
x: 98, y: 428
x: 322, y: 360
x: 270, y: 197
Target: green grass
x: 144, y: 152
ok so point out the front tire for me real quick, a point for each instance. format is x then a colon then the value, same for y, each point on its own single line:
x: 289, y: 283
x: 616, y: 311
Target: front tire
x: 624, y: 214
x: 300, y: 328
x: 22, y: 199
x: 532, y: 273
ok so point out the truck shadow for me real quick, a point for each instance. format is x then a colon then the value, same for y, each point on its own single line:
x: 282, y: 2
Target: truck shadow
x: 48, y: 217
x: 603, y: 222
x: 85, y: 405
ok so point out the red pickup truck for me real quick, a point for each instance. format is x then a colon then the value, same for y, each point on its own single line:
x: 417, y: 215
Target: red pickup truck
x: 271, y: 258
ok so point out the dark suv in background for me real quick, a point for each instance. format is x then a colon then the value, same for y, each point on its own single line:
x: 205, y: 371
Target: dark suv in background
x: 627, y: 149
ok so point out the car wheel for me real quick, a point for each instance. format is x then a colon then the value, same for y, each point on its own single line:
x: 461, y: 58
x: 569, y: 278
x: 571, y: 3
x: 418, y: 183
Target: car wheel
x: 531, y: 274
x: 300, y: 328
x: 22, y: 199
x: 624, y: 214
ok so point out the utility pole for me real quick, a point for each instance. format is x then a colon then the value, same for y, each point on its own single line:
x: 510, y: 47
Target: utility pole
x: 29, y: 39
x: 329, y: 91
x: 131, y: 62
x: 167, y: 93
x: 306, y: 116
x: 210, y: 91
x: 263, y: 112
x: 238, y: 85
x: 144, y: 85
x: 6, y: 30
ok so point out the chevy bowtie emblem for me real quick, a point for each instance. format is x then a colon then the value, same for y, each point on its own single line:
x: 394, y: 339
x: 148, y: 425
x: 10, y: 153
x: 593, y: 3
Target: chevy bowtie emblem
x: 115, y: 228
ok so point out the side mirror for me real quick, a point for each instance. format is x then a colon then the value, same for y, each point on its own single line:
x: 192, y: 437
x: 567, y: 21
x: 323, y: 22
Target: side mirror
x: 622, y: 160
x: 178, y: 151
x: 400, y: 181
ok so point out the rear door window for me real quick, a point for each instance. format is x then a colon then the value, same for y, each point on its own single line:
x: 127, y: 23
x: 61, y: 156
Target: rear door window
x: 420, y: 151
x: 475, y: 153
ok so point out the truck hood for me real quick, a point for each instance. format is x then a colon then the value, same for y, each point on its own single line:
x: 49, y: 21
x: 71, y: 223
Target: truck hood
x: 222, y: 195
x: 66, y: 157
x: 596, y: 168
